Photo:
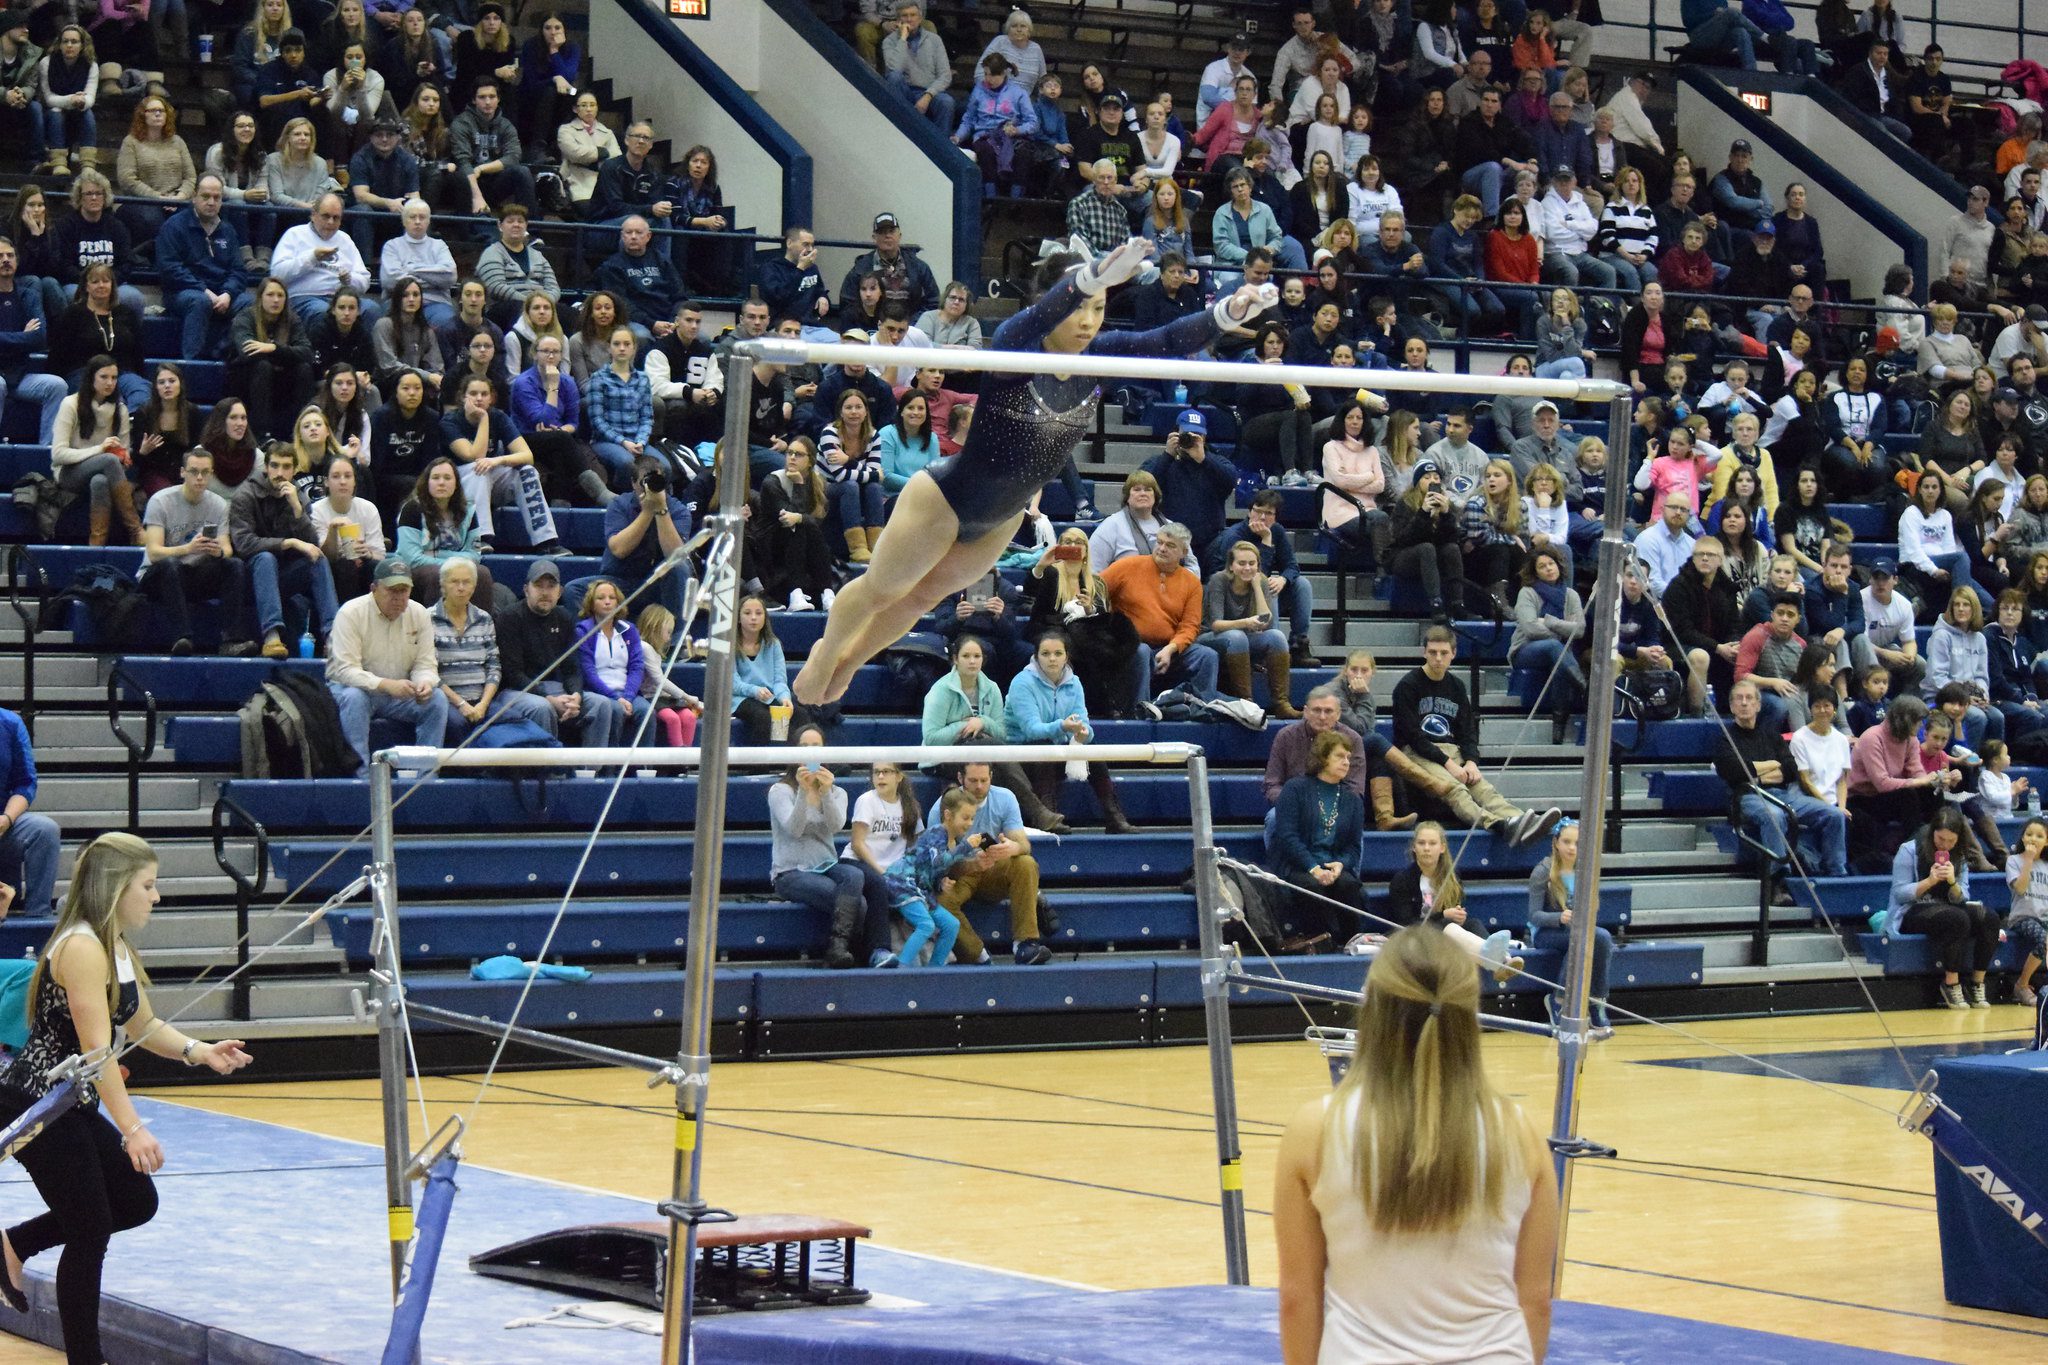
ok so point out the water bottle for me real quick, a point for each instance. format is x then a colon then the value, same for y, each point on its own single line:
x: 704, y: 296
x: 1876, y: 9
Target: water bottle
x: 306, y: 645
x: 206, y: 47
x: 1180, y: 395
x: 2033, y: 802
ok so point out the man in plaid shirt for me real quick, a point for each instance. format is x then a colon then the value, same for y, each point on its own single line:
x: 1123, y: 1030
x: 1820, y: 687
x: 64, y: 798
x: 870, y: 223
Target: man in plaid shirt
x: 1096, y: 215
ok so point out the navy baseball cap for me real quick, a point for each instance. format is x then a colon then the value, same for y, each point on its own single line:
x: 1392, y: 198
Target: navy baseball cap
x: 1884, y: 568
x: 1192, y: 420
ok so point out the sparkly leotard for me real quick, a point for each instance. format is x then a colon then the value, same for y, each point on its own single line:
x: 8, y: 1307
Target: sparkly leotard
x: 1026, y: 425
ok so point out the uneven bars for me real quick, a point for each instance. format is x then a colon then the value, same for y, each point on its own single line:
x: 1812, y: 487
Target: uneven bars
x: 786, y: 756
x: 785, y: 351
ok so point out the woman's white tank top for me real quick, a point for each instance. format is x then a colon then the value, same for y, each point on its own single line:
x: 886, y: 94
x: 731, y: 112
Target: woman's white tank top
x: 1402, y: 1297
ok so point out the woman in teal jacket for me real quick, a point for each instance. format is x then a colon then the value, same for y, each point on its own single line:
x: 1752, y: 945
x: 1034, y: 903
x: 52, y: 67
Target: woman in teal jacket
x: 908, y: 443
x: 966, y: 707
x: 1047, y: 706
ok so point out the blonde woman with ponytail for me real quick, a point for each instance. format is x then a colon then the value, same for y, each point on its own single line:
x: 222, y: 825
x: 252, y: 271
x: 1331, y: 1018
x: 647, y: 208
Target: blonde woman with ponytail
x: 92, y: 1165
x: 1414, y: 1207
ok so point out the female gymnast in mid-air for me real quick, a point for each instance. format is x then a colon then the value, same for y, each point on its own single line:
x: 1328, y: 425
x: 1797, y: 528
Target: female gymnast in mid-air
x: 954, y: 520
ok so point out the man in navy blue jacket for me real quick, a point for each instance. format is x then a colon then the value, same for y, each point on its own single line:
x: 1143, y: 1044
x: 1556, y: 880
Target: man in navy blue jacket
x: 22, y: 330
x: 1834, y: 613
x: 646, y: 279
x: 28, y: 843
x: 200, y: 256
x: 794, y: 287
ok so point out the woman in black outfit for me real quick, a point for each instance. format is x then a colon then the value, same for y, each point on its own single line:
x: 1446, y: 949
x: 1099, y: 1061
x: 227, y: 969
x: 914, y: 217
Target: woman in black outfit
x: 405, y: 434
x: 1427, y: 538
x: 1419, y: 155
x: 786, y: 535
x: 97, y: 323
x: 269, y: 362
x: 92, y: 1166
x: 1275, y: 431
x: 339, y: 335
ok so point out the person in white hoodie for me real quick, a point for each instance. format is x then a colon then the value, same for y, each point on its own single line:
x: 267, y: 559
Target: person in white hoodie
x: 1568, y: 228
x: 416, y: 255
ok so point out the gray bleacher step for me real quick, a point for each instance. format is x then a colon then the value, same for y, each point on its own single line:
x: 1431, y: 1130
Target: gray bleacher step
x: 303, y: 956
x: 57, y: 795
x: 69, y: 695
x: 1789, y: 948
x: 215, y: 928
x: 154, y: 822
x: 1692, y: 895
x: 313, y: 1005
x: 1660, y: 836
x: 1788, y: 973
x: 180, y: 890
x: 1697, y: 861
x: 1732, y: 912
x: 178, y: 859
x: 52, y: 670
x: 12, y: 633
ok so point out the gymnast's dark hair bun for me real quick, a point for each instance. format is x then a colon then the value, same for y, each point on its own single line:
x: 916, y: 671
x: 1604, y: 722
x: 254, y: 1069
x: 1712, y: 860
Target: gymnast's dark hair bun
x: 1051, y: 270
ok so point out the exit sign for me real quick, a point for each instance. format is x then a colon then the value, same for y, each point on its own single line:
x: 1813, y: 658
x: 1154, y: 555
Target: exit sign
x: 690, y: 9
x: 1759, y: 100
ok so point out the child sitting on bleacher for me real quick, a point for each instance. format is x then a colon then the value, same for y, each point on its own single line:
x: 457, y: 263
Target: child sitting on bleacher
x: 675, y: 710
x: 1873, y: 693
x: 885, y: 818
x: 2026, y: 872
x: 1994, y: 788
x: 926, y: 872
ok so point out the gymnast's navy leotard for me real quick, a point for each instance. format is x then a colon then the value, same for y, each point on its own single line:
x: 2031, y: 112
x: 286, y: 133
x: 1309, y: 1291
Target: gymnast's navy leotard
x: 1026, y: 425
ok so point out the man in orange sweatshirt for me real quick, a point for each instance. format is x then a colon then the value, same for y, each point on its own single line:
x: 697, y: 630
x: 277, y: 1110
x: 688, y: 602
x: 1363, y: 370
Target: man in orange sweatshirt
x: 1163, y: 600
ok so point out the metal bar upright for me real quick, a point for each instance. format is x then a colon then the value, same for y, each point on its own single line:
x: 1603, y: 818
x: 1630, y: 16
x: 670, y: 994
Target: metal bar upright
x: 1216, y: 1012
x: 692, y: 1089
x: 390, y: 1002
x: 1606, y: 618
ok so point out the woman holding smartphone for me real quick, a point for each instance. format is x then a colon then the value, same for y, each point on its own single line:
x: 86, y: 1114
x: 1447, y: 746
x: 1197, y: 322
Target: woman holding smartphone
x: 1931, y: 896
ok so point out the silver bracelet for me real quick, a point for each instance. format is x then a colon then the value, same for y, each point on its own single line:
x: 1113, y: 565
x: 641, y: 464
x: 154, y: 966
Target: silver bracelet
x: 185, y: 1052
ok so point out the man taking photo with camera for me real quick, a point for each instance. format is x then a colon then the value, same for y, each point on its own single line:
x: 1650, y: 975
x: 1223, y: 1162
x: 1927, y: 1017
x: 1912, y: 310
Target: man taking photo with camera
x: 642, y: 528
x: 1195, y: 485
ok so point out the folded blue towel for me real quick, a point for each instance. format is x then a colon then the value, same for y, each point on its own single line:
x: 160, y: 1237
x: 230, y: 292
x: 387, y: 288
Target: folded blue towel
x: 504, y: 968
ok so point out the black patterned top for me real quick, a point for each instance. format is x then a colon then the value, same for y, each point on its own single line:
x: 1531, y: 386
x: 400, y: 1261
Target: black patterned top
x: 53, y: 1035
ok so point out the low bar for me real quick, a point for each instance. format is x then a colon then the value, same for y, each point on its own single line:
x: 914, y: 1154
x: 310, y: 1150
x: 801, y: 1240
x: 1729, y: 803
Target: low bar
x: 589, y: 1052
x: 782, y: 351
x: 785, y: 756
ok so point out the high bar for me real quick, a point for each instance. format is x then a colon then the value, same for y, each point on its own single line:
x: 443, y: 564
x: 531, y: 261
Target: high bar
x: 784, y: 756
x: 789, y: 351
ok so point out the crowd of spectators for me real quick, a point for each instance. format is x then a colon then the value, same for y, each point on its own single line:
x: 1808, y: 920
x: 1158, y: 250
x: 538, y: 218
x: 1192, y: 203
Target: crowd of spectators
x: 1401, y: 179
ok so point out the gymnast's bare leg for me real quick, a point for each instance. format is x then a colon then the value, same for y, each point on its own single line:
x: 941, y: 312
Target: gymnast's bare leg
x: 919, y: 563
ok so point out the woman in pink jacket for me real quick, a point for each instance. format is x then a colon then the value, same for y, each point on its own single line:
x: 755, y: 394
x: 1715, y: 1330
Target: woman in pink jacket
x: 1891, y: 793
x: 1230, y: 126
x: 1353, y: 481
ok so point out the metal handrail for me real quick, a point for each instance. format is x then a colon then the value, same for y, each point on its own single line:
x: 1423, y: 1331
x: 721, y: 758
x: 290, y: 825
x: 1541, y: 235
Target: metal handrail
x: 15, y: 559
x: 226, y: 810
x: 138, y: 753
x: 572, y: 238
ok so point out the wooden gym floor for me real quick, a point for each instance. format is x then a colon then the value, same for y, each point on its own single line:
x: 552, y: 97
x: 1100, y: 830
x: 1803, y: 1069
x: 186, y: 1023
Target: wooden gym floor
x: 1743, y: 1199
